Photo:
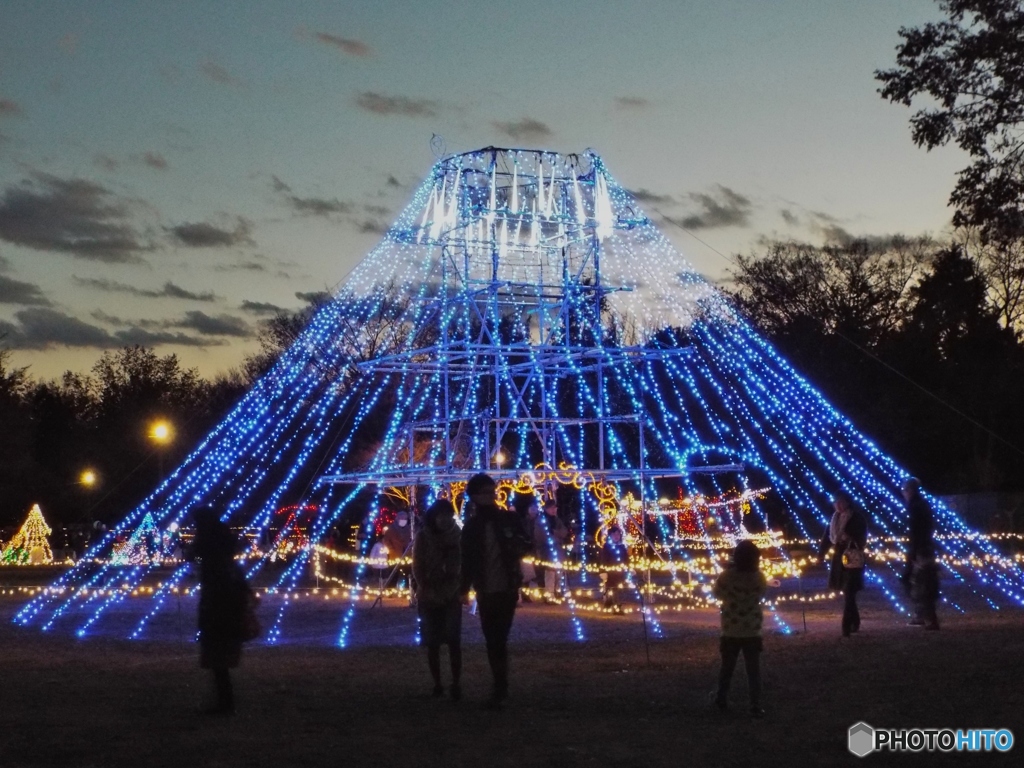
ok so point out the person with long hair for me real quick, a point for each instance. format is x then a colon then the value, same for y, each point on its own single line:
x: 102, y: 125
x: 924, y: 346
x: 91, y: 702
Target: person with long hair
x: 846, y: 535
x: 437, y: 571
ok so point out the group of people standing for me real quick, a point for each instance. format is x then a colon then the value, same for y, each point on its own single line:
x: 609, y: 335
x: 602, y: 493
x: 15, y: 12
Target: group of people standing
x: 847, y: 537
x: 741, y: 587
x: 486, y: 556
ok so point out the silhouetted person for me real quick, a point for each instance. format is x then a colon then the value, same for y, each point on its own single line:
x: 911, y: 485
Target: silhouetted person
x: 847, y: 534
x: 740, y: 587
x: 222, y: 603
x: 922, y: 571
x: 493, y: 543
x: 437, y: 570
x: 549, y: 537
x: 528, y: 509
x: 398, y: 536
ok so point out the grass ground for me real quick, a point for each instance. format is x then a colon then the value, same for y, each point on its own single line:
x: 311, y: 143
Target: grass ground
x: 109, y: 703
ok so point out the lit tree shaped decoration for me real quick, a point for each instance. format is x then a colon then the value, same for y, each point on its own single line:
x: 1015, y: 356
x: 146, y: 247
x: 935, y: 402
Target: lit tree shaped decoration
x: 141, y: 545
x: 522, y: 314
x: 30, y: 545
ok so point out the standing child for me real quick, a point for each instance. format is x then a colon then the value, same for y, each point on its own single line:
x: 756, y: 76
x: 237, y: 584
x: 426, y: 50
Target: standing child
x: 740, y: 587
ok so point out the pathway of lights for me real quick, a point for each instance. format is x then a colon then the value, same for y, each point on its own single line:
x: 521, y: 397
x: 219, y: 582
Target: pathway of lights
x: 522, y: 309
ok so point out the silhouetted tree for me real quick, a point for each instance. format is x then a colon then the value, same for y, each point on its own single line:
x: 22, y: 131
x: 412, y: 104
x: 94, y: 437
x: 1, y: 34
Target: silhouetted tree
x: 969, y: 69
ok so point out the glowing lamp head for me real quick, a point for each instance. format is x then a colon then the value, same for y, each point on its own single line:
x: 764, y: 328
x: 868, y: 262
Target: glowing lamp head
x: 499, y: 458
x: 160, y: 432
x: 87, y: 478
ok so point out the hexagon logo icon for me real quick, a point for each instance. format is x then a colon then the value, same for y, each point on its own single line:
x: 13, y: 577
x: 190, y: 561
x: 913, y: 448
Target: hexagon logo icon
x: 861, y: 739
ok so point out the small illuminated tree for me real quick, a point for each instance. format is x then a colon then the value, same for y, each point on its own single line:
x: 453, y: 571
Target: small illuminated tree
x: 140, y: 548
x: 30, y: 545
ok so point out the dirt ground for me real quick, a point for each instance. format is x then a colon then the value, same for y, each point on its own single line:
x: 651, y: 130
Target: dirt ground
x: 107, y: 703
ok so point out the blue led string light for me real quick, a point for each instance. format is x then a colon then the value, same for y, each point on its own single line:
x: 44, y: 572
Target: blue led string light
x: 521, y: 296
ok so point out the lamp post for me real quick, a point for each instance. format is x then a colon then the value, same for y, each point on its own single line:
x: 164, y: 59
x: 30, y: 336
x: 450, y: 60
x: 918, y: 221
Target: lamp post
x: 161, y: 433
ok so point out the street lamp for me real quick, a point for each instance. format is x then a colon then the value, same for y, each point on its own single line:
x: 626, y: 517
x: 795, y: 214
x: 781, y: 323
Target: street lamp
x: 87, y: 478
x: 161, y: 432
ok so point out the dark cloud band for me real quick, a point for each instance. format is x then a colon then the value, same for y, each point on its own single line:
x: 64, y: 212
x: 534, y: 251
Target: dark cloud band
x: 72, y: 216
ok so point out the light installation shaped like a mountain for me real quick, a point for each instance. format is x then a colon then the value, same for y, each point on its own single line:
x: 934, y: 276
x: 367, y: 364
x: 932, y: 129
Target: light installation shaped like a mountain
x: 524, y: 317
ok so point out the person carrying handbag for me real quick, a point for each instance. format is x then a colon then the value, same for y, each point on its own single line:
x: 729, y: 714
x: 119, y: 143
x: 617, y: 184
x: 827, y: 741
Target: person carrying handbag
x: 846, y: 535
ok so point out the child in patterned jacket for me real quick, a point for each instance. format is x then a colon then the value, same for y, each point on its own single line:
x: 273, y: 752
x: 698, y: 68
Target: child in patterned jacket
x: 740, y: 588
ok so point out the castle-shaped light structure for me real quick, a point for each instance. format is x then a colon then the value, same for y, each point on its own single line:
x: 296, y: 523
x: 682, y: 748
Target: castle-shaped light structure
x: 522, y: 311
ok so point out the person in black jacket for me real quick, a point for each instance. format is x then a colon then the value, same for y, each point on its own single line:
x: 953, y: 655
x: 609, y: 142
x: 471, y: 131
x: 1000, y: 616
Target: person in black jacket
x: 847, y: 535
x: 493, y: 543
x: 436, y: 566
x: 222, y: 602
x: 922, y: 572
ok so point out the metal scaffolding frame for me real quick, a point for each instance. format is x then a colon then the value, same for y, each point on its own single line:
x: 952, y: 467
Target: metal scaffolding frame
x: 518, y: 234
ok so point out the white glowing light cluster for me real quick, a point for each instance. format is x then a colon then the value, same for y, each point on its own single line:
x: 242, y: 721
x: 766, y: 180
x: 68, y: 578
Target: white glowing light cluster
x: 522, y: 306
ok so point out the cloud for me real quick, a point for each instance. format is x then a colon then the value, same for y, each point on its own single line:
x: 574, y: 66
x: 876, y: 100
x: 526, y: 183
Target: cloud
x: 379, y: 104
x: 829, y: 228
x: 73, y: 216
x: 146, y: 338
x: 218, y: 74
x: 106, y: 162
x: 318, y: 206
x: 44, y: 328
x: 344, y: 44
x: 646, y: 196
x: 206, y: 325
x: 631, y: 102
x: 210, y: 325
x: 154, y: 160
x: 40, y: 329
x: 310, y: 206
x: 373, y: 227
x: 393, y: 182
x: 169, y: 290
x: 789, y: 217
x: 17, y: 292
x: 723, y: 208
x: 526, y: 129
x: 205, y: 235
x: 262, y: 308
x: 244, y: 265
x: 313, y: 297
x: 241, y: 266
x: 9, y: 108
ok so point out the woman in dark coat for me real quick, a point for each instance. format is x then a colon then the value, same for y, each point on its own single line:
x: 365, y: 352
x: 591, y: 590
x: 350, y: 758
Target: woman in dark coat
x: 437, y: 570
x: 847, y: 535
x: 223, y: 598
